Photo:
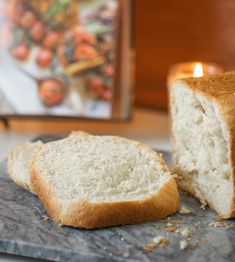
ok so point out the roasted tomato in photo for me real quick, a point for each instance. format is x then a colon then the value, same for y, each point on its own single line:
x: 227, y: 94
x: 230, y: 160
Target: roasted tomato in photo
x: 97, y: 86
x: 44, y: 58
x: 108, y: 70
x: 85, y: 52
x: 81, y: 36
x: 107, y: 95
x: 27, y: 20
x: 38, y: 31
x: 20, y: 52
x: 52, y: 40
x: 51, y: 92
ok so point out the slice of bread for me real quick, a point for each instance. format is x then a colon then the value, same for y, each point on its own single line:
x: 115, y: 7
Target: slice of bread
x: 203, y: 128
x: 19, y: 162
x: 20, y: 158
x: 101, y: 181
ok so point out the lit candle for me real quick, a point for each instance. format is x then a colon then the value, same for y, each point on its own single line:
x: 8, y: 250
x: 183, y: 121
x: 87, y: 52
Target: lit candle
x: 189, y: 69
x: 198, y: 70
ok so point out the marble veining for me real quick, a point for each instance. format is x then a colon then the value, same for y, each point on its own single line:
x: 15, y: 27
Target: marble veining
x: 25, y: 230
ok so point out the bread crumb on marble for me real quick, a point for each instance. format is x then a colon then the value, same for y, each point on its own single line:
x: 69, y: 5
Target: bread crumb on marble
x: 183, y: 244
x: 184, y: 210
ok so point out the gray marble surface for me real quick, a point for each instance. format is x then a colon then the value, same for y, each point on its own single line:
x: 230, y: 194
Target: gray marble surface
x: 25, y: 231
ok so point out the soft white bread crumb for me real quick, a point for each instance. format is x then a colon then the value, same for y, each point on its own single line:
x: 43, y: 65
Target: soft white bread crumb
x: 100, y: 181
x: 203, y: 129
x: 186, y: 233
x: 157, y: 240
x: 20, y: 158
x: 160, y: 241
x: 183, y: 244
x: 184, y: 210
x: 19, y: 162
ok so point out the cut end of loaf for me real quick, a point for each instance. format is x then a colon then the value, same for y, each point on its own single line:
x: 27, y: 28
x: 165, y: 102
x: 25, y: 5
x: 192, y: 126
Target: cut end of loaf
x: 19, y: 162
x: 201, y: 141
x: 100, y: 181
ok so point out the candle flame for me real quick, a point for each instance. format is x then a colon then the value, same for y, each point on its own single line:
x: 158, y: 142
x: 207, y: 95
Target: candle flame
x: 198, y: 70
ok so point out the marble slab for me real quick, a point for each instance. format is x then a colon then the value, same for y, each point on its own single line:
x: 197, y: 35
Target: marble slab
x: 25, y: 230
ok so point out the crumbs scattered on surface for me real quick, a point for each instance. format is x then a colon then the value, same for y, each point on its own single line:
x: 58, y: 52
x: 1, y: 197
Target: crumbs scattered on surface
x: 161, y: 241
x: 184, y: 210
x: 183, y: 244
x: 203, y: 205
x: 149, y: 247
x: 169, y: 229
x: 221, y: 224
x: 176, y: 222
x: 186, y: 233
x: 165, y: 242
x: 45, y: 218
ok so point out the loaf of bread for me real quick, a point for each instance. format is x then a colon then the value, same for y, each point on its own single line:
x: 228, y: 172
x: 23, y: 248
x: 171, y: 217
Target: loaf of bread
x: 203, y: 132
x: 19, y: 162
x: 101, y: 181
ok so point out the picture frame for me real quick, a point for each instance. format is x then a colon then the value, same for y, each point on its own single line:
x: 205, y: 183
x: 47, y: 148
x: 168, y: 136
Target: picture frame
x: 76, y: 68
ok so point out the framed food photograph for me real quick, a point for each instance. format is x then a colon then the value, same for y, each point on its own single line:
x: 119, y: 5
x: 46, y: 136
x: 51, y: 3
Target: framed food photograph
x: 65, y: 58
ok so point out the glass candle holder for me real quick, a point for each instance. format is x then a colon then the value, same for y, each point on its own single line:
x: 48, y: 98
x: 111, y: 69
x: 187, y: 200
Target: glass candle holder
x: 189, y: 69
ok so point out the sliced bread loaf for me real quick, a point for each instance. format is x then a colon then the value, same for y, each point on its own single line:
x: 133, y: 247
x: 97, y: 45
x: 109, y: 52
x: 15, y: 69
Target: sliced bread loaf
x: 101, y: 181
x: 203, y: 127
x: 19, y: 162
x: 20, y: 158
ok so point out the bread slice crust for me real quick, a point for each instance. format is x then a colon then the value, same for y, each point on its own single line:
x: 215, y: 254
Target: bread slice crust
x: 97, y: 215
x: 10, y: 163
x: 90, y: 215
x: 220, y: 89
x: 10, y: 167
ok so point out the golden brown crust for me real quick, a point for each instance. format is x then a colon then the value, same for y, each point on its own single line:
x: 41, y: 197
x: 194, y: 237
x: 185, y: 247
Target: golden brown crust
x: 96, y: 215
x: 219, y: 88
